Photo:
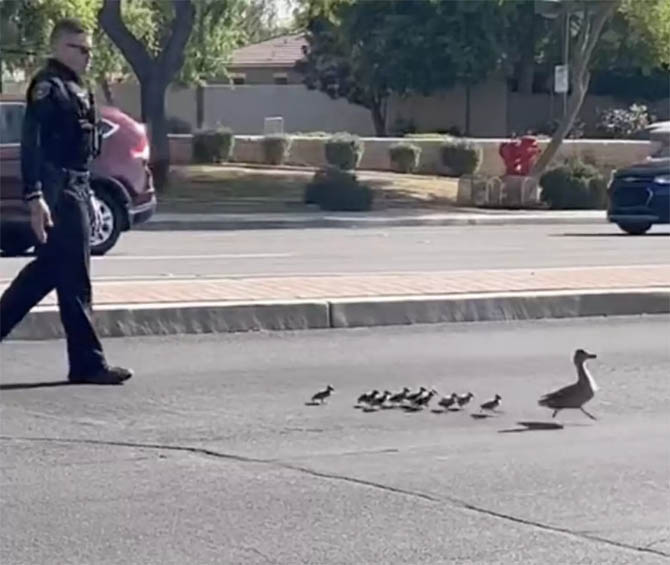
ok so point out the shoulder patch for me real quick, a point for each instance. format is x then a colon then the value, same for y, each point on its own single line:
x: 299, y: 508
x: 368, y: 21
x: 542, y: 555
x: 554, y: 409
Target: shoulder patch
x: 40, y: 90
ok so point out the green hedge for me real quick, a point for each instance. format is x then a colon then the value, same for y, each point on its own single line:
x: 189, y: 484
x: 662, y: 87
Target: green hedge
x: 574, y: 186
x: 344, y: 151
x: 276, y: 148
x: 405, y: 157
x: 213, y: 146
x: 337, y: 190
x: 461, y: 156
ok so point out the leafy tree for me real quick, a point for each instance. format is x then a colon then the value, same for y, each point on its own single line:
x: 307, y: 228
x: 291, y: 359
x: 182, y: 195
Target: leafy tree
x: 364, y: 51
x: 155, y: 65
x: 591, y: 19
x: 25, y: 26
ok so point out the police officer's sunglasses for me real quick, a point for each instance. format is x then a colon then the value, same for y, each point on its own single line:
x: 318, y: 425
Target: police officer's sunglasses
x: 83, y: 49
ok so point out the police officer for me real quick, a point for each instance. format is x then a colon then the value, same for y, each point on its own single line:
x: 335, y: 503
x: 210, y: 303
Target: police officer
x: 60, y: 138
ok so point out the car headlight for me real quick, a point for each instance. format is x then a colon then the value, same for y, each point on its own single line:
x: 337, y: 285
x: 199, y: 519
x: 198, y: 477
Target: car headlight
x: 662, y: 179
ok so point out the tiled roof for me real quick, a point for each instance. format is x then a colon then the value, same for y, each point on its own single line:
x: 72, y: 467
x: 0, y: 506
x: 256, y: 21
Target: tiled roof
x: 281, y: 51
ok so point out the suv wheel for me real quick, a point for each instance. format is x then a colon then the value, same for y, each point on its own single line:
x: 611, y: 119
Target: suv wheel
x: 635, y: 228
x: 111, y: 218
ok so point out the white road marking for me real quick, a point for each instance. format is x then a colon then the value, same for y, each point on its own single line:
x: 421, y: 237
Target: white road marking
x: 191, y: 257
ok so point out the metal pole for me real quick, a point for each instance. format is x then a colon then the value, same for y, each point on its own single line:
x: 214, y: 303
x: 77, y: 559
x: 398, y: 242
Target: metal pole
x: 566, y: 54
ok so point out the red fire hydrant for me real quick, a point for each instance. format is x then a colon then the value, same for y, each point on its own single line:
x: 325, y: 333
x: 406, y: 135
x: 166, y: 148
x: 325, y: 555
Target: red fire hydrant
x: 508, y: 150
x: 528, y: 152
x: 519, y: 155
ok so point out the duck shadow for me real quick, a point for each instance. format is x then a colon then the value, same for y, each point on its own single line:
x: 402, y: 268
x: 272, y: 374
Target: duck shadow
x: 45, y: 384
x: 533, y: 427
x: 606, y: 234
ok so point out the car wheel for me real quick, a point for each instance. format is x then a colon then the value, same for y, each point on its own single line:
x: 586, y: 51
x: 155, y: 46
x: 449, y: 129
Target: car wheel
x: 635, y: 228
x: 109, y: 227
x: 14, y: 242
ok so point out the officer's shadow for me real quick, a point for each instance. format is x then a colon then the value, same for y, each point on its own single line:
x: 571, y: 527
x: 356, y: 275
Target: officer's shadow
x: 44, y: 384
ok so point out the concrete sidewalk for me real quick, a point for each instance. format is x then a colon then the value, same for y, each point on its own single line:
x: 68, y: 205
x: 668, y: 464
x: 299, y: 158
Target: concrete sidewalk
x: 383, y: 218
x: 262, y: 303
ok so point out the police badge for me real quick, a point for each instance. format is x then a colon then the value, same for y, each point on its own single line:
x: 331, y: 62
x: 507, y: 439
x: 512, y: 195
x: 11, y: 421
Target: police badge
x: 40, y: 90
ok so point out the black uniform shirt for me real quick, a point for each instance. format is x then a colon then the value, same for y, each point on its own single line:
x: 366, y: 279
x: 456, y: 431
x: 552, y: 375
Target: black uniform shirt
x: 59, y: 128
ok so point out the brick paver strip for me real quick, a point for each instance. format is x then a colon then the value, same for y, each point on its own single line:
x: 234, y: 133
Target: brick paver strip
x: 367, y: 285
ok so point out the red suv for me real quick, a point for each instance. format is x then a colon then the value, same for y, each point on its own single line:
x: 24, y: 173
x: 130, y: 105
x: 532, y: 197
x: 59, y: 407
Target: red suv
x: 120, y: 178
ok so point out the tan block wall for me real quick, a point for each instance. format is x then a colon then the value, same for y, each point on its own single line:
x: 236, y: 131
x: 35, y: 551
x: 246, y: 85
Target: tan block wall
x: 179, y: 102
x: 261, y: 75
x: 244, y: 108
x: 488, y: 109
x: 309, y: 151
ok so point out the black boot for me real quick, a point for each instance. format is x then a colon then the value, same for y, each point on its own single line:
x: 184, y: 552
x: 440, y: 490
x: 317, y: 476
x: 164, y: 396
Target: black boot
x: 106, y: 376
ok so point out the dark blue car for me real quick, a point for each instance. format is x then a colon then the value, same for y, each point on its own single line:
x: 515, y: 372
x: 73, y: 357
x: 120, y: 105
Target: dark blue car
x: 639, y: 196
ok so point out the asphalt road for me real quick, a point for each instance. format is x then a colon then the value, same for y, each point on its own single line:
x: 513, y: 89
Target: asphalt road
x: 332, y: 251
x: 210, y: 454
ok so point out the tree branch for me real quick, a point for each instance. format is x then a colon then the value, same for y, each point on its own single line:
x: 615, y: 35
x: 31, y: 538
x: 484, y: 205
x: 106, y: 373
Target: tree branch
x: 132, y: 49
x: 171, y: 57
x: 588, y: 35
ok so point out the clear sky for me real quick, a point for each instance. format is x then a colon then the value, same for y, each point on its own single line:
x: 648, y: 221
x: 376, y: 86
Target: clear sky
x: 284, y: 10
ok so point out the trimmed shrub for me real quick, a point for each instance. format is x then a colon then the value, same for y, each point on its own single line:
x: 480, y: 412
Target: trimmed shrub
x: 463, y: 157
x: 276, y: 148
x: 574, y: 186
x: 404, y: 157
x: 177, y: 125
x: 344, y: 151
x: 336, y: 190
x: 213, y: 146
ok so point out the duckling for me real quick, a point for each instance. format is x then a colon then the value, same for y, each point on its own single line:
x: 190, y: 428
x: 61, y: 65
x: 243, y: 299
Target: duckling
x: 448, y: 401
x: 366, y: 397
x: 574, y: 396
x: 379, y: 401
x: 464, y: 399
x: 423, y: 401
x: 415, y: 395
x: 399, y: 396
x: 492, y: 405
x: 323, y: 394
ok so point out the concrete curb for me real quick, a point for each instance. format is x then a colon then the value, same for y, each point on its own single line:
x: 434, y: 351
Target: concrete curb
x: 193, y: 318
x: 235, y: 222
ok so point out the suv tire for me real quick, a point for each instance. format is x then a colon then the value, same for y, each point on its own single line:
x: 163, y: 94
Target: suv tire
x: 112, y: 219
x: 635, y: 228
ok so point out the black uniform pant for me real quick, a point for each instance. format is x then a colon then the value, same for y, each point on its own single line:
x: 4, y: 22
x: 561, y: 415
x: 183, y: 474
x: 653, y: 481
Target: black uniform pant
x: 62, y: 263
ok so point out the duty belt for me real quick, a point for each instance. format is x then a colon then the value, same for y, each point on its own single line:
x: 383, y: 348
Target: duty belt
x: 75, y: 175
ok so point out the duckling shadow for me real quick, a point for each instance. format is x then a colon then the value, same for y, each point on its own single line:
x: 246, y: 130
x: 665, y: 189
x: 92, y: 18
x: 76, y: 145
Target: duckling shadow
x: 480, y: 416
x: 533, y: 427
x: 437, y: 411
x: 454, y: 409
x: 312, y: 403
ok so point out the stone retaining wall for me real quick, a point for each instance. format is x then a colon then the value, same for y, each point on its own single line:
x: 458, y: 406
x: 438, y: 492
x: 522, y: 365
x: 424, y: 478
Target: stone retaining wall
x: 309, y: 151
